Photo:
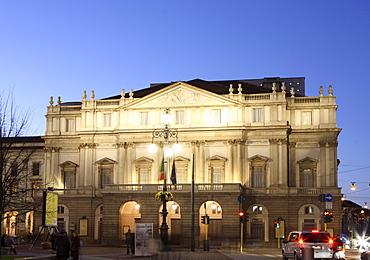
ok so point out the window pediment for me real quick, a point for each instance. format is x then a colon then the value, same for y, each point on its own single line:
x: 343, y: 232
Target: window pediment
x: 106, y: 160
x: 68, y: 164
x: 258, y: 158
x: 143, y: 160
x: 217, y: 158
x: 308, y: 160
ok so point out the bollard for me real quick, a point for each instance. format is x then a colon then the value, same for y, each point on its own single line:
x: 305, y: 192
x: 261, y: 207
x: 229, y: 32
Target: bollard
x: 308, y: 253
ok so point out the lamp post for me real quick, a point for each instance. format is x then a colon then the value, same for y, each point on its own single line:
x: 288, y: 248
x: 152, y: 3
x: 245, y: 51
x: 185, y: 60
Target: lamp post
x: 166, y: 133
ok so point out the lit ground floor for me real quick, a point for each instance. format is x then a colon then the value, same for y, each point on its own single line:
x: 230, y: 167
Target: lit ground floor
x: 103, y: 218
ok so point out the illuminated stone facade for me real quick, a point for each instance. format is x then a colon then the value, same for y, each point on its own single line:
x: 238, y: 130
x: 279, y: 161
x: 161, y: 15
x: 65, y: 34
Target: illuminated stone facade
x: 274, y: 147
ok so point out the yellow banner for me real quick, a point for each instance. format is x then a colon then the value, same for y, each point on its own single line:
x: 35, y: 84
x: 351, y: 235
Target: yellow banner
x: 51, y: 209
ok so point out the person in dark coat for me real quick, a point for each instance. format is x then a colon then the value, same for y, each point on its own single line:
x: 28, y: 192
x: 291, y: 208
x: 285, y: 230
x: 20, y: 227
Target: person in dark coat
x: 129, y: 241
x: 62, y: 246
x: 75, y: 245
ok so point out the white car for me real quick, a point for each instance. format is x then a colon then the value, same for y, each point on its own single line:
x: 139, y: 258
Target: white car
x: 318, y: 243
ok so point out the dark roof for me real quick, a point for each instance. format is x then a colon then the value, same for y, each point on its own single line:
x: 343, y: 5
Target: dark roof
x: 350, y: 204
x: 23, y: 139
x: 217, y: 87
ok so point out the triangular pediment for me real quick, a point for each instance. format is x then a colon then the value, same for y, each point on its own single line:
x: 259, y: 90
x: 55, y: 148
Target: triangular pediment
x: 106, y: 160
x: 307, y: 160
x: 143, y: 159
x: 258, y: 158
x: 68, y: 164
x: 217, y: 158
x: 181, y: 94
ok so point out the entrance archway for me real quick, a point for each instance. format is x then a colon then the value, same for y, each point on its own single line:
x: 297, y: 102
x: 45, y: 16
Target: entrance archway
x: 129, y: 215
x: 214, y: 210
x: 11, y: 223
x: 173, y: 221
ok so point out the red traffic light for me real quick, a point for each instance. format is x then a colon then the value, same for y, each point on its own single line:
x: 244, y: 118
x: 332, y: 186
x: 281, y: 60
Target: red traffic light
x: 241, y: 214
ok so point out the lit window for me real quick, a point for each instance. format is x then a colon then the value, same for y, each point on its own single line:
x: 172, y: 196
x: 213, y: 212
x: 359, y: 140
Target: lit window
x: 257, y: 177
x: 70, y: 125
x: 60, y: 210
x: 216, y: 116
x: 257, y: 209
x: 257, y: 115
x: 144, y: 118
x: 306, y: 118
x: 308, y: 211
x: 180, y: 117
x: 307, y: 178
x: 106, y: 175
x: 216, y: 174
x: 69, y: 180
x: 144, y: 175
x: 107, y: 120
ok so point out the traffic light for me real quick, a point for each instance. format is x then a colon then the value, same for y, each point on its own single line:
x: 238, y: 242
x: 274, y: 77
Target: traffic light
x: 246, y: 217
x: 328, y: 216
x: 241, y: 217
x: 276, y: 223
x: 207, y: 220
x: 203, y: 220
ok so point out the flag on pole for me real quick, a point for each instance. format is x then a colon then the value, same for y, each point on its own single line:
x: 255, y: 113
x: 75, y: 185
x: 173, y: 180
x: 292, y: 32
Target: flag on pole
x: 173, y: 173
x: 161, y: 171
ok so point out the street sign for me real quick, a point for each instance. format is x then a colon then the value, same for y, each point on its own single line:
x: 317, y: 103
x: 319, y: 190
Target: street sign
x: 322, y: 197
x: 328, y: 197
x: 329, y: 205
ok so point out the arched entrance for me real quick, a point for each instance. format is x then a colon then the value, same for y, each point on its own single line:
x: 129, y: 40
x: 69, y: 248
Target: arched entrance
x: 11, y: 223
x: 257, y: 226
x: 309, y: 217
x: 129, y: 214
x: 98, y: 224
x: 173, y: 221
x: 214, y: 211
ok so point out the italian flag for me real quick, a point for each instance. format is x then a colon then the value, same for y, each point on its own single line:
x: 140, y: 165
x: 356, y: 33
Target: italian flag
x: 161, y: 171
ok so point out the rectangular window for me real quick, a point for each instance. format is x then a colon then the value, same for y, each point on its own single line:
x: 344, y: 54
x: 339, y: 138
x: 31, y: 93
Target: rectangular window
x: 257, y: 115
x: 180, y: 175
x: 216, y: 174
x: 69, y: 180
x: 180, y: 120
x: 36, y: 169
x: 143, y: 175
x: 307, y: 178
x: 216, y: 116
x: 107, y: 120
x: 306, y: 118
x: 70, y: 125
x: 144, y: 118
x: 106, y: 176
x: 257, y: 177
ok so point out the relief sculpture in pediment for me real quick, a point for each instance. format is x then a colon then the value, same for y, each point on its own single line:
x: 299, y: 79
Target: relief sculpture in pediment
x: 181, y: 96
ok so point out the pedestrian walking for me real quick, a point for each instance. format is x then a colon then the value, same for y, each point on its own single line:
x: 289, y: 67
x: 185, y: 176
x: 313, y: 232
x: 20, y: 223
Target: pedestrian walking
x: 129, y: 241
x: 75, y: 245
x: 62, y: 246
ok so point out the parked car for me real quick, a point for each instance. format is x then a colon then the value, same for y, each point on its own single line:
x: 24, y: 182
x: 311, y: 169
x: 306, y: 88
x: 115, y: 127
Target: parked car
x: 315, y: 242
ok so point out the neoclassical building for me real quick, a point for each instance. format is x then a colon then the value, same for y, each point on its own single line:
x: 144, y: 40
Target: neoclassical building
x: 262, y: 149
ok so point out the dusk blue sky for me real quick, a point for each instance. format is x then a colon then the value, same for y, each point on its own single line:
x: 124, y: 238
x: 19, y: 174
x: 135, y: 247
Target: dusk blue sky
x: 61, y: 48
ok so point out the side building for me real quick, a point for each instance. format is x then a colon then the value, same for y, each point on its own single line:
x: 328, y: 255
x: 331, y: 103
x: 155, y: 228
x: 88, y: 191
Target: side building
x: 266, y: 151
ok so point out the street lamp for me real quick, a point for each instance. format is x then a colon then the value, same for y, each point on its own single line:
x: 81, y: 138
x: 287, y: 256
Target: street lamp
x: 166, y: 133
